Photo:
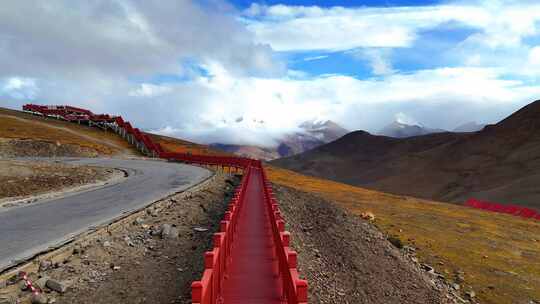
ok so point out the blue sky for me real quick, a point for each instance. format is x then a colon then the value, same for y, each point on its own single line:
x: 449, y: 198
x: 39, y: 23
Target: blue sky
x: 192, y: 68
x: 345, y: 3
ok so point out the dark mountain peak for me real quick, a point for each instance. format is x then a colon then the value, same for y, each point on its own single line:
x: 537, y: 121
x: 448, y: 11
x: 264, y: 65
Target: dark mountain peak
x: 527, y: 117
x: 498, y: 163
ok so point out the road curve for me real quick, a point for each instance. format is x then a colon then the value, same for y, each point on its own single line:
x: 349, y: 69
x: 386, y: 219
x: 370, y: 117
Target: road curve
x: 26, y: 231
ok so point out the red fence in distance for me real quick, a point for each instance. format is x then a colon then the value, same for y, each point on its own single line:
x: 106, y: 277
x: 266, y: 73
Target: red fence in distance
x: 503, y: 208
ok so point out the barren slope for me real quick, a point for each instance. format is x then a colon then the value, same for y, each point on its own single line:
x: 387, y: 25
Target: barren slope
x: 499, y: 163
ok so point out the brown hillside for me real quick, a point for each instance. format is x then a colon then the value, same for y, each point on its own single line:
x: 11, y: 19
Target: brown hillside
x: 496, y: 255
x: 23, y: 134
x: 499, y: 163
x: 171, y: 144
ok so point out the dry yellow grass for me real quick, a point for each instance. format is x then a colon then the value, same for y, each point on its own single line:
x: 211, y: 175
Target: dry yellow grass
x: 499, y: 254
x: 170, y: 144
x: 18, y: 125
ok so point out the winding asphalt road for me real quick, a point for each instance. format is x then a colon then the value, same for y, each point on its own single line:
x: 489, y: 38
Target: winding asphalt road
x: 31, y: 229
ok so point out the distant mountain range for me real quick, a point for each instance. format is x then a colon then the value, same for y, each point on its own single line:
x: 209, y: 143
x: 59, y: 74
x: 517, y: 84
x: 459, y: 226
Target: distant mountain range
x: 311, y: 135
x: 401, y: 130
x: 498, y: 163
x: 469, y: 127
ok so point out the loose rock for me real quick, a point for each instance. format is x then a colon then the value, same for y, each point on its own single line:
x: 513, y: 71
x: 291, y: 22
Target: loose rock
x: 470, y: 294
x: 169, y: 232
x: 44, y: 265
x: 57, y: 286
x: 38, y: 298
x: 41, y: 283
x: 5, y: 299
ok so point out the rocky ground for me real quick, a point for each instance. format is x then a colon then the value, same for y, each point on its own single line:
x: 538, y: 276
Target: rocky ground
x: 40, y: 148
x: 347, y: 260
x: 22, y: 178
x: 149, y: 257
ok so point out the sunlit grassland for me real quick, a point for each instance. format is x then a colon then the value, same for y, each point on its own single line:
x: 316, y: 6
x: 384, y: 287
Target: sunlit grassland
x: 499, y: 254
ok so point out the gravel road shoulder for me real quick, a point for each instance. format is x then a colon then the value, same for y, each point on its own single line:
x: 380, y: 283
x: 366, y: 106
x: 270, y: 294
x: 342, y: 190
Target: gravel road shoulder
x: 151, y: 256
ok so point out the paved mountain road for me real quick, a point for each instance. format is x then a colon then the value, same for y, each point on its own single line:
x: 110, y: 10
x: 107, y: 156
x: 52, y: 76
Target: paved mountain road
x: 28, y: 230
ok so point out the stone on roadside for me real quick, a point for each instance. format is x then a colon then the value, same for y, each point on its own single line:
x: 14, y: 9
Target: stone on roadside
x: 138, y: 221
x: 106, y: 244
x: 7, y: 299
x: 470, y: 294
x: 128, y: 241
x: 169, y: 232
x: 77, y: 250
x: 57, y: 286
x: 38, y: 298
x: 152, y: 212
x: 41, y: 283
x: 44, y: 265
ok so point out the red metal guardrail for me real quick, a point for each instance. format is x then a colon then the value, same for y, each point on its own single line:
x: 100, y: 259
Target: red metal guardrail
x: 502, y: 208
x: 294, y: 288
x: 216, y: 262
x: 208, y: 290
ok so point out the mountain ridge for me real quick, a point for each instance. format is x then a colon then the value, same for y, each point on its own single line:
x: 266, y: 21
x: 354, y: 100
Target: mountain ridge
x: 313, y: 134
x: 499, y: 163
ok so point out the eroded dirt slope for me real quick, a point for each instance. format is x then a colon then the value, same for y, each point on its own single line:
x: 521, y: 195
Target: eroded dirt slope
x: 347, y: 260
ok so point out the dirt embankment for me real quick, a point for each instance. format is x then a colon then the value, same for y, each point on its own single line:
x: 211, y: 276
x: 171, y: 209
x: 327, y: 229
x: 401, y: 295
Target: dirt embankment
x: 347, y: 260
x: 41, y: 148
x: 22, y: 178
x: 149, y: 257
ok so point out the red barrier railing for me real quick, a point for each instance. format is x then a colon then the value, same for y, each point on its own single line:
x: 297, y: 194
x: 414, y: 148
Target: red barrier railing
x: 208, y: 289
x: 508, y: 209
x: 295, y: 289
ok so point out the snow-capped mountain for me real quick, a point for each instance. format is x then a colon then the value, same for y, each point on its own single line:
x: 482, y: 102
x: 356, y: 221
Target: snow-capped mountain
x: 469, y: 127
x: 312, y: 134
x: 401, y: 130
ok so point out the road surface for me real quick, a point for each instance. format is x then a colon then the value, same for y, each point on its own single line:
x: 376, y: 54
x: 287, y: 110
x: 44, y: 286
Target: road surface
x: 28, y: 230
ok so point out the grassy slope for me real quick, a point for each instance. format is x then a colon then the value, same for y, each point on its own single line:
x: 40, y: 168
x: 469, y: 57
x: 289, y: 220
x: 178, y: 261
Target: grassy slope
x: 499, y: 254
x: 19, y: 125
x: 171, y: 144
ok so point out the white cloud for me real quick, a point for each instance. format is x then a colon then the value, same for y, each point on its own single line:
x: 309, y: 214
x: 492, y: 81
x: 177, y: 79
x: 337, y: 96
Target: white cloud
x: 123, y: 38
x: 403, y: 118
x: 149, y: 90
x: 290, y: 28
x: 440, y: 98
x: 19, y: 87
x: 87, y: 54
x: 534, y: 56
x: 316, y: 58
x: 379, y: 60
